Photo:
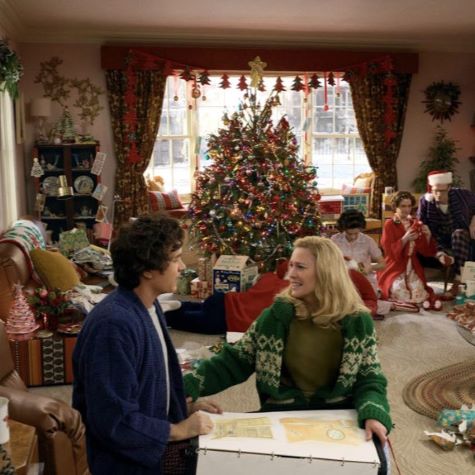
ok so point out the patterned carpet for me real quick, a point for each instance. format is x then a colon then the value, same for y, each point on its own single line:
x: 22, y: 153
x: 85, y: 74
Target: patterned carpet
x: 409, y: 345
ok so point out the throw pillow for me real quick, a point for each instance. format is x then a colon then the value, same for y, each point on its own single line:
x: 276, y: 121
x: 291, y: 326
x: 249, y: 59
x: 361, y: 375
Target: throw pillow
x: 160, y: 200
x: 55, y: 270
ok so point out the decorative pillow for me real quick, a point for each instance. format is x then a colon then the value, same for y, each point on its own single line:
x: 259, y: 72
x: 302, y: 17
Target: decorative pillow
x: 160, y: 200
x: 55, y: 270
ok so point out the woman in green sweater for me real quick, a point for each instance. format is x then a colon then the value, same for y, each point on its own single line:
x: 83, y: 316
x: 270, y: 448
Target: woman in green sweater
x: 314, y: 348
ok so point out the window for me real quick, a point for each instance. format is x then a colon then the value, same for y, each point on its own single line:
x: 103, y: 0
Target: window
x: 8, y: 189
x: 328, y: 137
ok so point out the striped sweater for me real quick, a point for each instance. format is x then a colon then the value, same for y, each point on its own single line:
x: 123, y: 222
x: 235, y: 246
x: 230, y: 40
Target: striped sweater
x: 360, y: 380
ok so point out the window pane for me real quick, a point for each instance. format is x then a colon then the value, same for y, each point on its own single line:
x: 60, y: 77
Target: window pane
x: 161, y: 156
x: 180, y: 155
x: 177, y: 122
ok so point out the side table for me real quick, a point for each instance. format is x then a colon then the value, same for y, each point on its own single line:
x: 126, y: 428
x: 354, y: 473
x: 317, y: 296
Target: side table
x: 44, y: 361
x: 23, y: 447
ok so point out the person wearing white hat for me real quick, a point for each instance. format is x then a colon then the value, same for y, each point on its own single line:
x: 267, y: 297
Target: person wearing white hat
x: 450, y: 214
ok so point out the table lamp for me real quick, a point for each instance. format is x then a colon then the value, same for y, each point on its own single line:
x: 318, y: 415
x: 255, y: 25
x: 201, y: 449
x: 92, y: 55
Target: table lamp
x: 40, y: 110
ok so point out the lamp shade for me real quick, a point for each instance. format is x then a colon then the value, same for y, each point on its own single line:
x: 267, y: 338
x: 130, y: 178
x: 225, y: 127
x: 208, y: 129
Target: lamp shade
x: 41, y: 107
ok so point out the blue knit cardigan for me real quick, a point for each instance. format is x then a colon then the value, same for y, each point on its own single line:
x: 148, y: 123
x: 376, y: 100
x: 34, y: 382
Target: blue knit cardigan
x: 120, y: 387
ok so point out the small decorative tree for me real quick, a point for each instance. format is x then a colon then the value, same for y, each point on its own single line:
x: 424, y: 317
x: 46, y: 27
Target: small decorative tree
x: 21, y: 319
x: 441, y: 156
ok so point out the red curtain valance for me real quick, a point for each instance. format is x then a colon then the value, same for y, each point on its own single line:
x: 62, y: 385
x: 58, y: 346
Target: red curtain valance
x: 237, y: 59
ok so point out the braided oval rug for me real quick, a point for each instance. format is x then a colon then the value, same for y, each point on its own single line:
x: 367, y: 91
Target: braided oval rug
x: 444, y: 388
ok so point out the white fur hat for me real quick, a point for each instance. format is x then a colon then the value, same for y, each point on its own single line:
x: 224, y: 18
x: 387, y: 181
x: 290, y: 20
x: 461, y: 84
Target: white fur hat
x: 439, y: 178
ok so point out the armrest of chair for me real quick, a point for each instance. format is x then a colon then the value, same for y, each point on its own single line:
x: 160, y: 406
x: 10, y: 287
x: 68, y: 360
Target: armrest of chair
x: 46, y: 414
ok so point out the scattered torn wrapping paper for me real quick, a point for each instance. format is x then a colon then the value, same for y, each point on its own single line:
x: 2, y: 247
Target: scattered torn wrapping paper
x: 458, y: 428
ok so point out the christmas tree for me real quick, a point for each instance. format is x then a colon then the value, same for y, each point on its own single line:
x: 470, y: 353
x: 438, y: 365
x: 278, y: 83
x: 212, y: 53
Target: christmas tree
x: 66, y: 127
x: 257, y: 196
x: 21, y: 319
x: 441, y: 156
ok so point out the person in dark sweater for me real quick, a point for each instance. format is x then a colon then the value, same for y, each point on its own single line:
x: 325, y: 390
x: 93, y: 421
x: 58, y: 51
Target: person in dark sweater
x: 313, y: 348
x: 450, y: 215
x: 128, y: 384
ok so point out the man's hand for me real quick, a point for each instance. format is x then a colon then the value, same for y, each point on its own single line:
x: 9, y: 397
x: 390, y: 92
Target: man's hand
x: 198, y: 423
x: 203, y: 405
x: 445, y: 259
x: 374, y: 427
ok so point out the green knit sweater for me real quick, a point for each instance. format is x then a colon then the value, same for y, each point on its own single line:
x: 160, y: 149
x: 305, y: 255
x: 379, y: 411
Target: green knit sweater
x: 261, y: 350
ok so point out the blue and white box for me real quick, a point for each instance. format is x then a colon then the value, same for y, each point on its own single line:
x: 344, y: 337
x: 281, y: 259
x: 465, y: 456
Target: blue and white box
x: 233, y: 273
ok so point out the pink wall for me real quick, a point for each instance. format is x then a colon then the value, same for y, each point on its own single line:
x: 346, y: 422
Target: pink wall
x: 79, y: 62
x: 83, y: 61
x: 419, y: 128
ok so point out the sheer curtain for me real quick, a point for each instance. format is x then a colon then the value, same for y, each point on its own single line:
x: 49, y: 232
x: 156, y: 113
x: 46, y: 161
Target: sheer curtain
x: 8, y: 180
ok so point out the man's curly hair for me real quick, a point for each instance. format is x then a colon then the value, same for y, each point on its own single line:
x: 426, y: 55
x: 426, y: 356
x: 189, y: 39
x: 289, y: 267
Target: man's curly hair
x: 144, y: 244
x: 351, y: 219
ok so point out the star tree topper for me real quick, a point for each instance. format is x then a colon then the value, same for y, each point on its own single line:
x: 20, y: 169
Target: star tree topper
x: 257, y: 70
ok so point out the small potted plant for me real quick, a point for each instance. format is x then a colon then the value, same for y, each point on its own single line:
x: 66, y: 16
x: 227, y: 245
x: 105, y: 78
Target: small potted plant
x: 11, y: 69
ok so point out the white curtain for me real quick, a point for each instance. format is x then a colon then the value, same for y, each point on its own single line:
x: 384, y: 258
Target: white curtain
x: 8, y: 179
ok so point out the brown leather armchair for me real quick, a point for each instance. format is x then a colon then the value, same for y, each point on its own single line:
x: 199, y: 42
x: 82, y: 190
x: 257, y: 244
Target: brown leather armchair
x: 61, y: 433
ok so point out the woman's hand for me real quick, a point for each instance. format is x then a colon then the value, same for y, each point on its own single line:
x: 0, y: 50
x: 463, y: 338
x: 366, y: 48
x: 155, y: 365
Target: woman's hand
x: 410, y: 235
x: 374, y: 427
x: 199, y: 423
x: 203, y: 405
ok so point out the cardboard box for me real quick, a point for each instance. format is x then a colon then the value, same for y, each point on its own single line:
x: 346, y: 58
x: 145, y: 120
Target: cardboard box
x: 233, y: 273
x: 331, y: 206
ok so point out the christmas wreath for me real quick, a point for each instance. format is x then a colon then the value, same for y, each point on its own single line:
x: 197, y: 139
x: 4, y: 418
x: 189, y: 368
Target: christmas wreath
x: 442, y: 100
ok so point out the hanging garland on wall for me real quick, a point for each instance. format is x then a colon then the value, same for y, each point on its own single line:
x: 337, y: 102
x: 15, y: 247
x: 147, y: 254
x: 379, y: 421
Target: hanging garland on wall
x: 199, y: 79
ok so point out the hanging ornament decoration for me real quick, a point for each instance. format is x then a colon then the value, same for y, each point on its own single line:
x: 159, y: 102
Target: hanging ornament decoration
x: 442, y: 100
x: 225, y: 84
x: 187, y: 74
x: 331, y: 79
x: 195, y: 91
x: 297, y: 84
x: 261, y: 86
x: 242, y: 84
x: 203, y: 78
x: 279, y: 85
x: 314, y: 82
x: 325, y: 92
x: 257, y: 71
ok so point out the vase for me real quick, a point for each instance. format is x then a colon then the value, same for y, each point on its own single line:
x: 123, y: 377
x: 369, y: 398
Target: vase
x: 51, y: 321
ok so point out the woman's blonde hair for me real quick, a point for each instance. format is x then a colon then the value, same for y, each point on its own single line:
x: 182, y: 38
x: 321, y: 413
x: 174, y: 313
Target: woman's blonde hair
x: 336, y: 295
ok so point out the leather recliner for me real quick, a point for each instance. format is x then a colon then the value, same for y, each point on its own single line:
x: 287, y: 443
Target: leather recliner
x: 61, y: 433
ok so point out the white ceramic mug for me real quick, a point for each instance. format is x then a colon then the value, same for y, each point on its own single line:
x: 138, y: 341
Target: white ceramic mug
x: 470, y: 291
x: 4, y: 429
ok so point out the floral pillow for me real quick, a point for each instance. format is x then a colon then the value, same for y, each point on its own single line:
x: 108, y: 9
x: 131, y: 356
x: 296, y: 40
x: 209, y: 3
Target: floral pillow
x: 160, y: 200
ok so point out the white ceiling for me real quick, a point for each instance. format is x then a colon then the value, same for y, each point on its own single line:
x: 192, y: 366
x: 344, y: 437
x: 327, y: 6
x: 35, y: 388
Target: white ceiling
x: 411, y: 25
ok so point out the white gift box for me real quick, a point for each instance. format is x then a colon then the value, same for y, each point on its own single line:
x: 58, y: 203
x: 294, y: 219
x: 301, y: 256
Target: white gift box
x: 233, y: 273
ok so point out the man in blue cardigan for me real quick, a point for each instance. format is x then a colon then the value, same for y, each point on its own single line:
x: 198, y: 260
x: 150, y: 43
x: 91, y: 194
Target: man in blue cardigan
x: 128, y: 385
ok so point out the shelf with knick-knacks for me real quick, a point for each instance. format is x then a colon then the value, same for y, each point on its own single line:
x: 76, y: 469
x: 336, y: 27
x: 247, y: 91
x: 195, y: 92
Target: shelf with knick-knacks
x: 64, y: 190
